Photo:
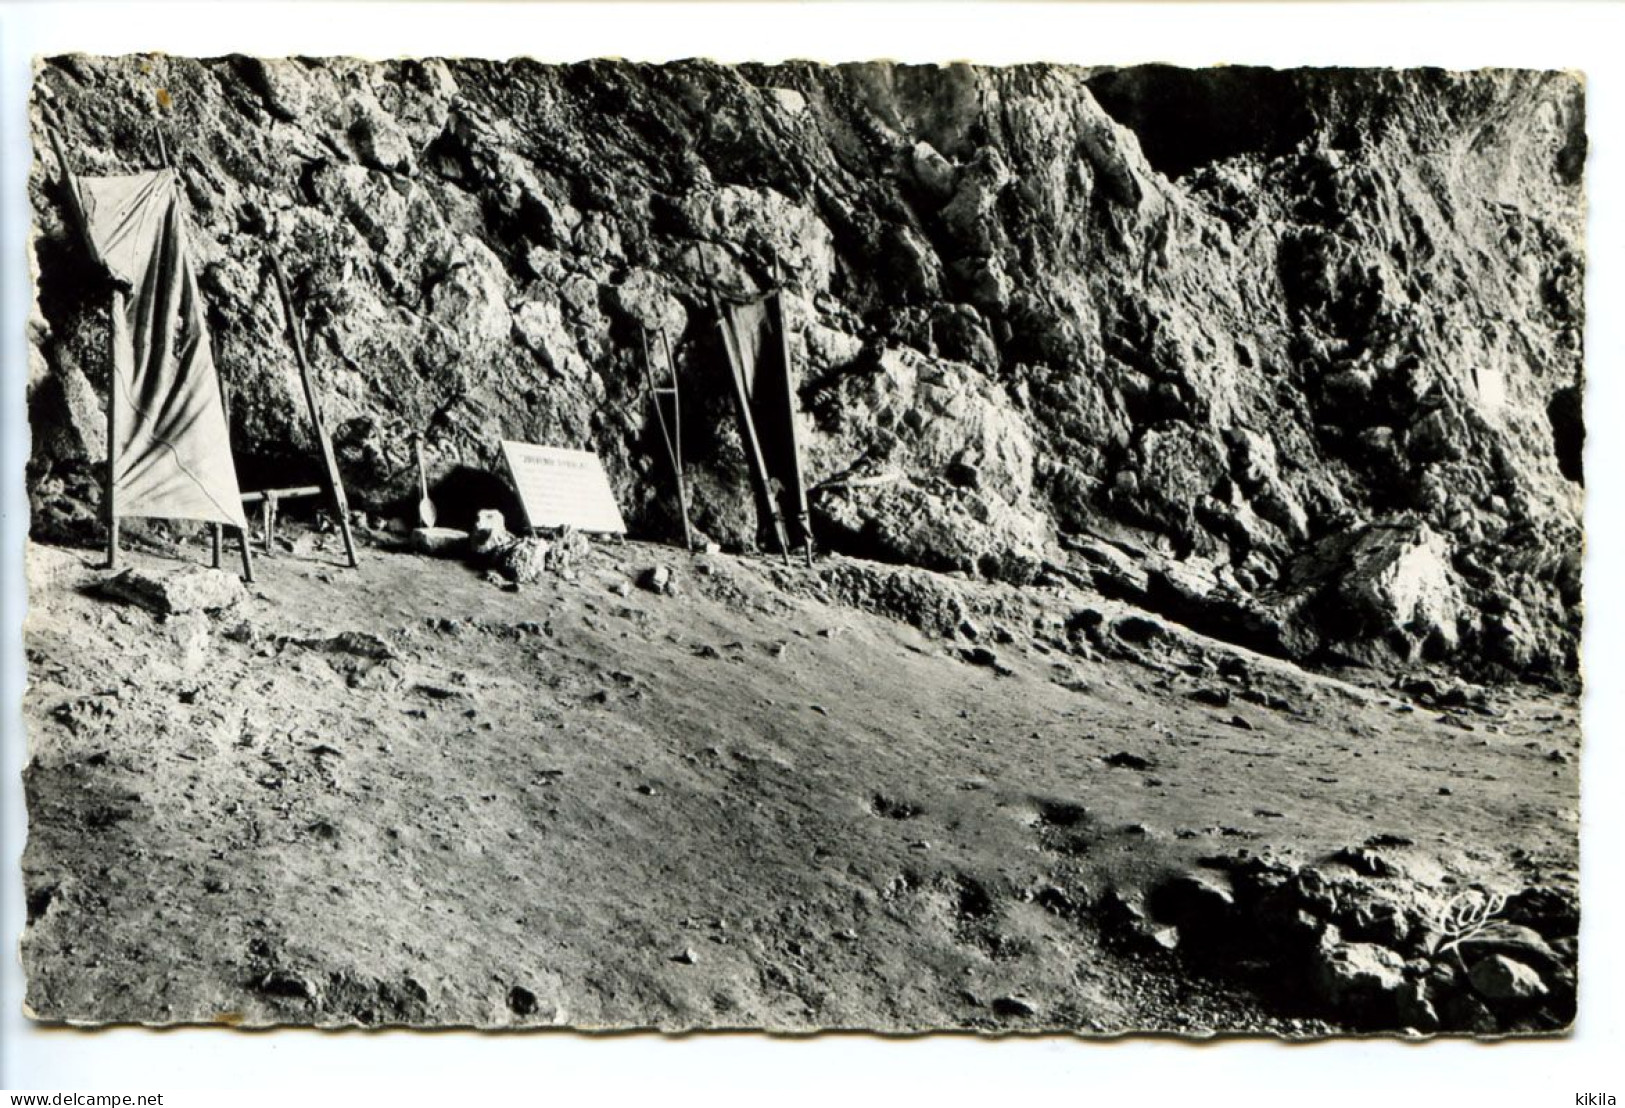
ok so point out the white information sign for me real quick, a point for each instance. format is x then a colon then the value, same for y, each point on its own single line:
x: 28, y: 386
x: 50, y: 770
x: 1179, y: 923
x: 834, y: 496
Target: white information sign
x: 563, y: 488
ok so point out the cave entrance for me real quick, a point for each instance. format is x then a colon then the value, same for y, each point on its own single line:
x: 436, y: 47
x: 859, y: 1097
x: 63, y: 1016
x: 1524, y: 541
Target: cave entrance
x: 1188, y: 118
x: 1563, y: 412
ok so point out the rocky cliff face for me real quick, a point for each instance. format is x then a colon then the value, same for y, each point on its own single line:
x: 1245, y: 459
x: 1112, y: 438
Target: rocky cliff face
x: 1293, y: 356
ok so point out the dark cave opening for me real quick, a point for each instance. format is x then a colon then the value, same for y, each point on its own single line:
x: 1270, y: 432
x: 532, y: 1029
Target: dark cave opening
x: 1563, y: 410
x: 1188, y: 118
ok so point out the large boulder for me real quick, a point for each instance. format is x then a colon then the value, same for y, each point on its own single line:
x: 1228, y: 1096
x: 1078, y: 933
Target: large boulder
x: 1380, y: 591
x: 1362, y: 980
x: 939, y: 464
x: 195, y: 589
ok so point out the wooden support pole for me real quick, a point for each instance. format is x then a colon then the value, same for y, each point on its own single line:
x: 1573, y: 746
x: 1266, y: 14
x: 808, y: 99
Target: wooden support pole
x: 248, y: 559
x: 337, y: 500
x: 74, y: 206
x: 115, y: 329
x: 267, y: 512
x: 296, y: 493
x: 803, y: 515
x: 217, y: 534
x: 677, y: 436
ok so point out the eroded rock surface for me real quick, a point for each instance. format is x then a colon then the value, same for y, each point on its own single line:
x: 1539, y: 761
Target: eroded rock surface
x: 1033, y: 309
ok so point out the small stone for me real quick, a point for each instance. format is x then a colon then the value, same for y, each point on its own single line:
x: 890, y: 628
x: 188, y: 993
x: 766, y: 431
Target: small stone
x: 490, y: 533
x: 1501, y: 978
x: 686, y: 956
x: 1217, y: 698
x: 286, y: 984
x: 1158, y: 937
x: 521, y: 1001
x: 1366, y: 862
x: 1416, y: 1006
x: 1239, y: 722
x: 1466, y: 1012
x: 1192, y: 900
x: 1138, y: 630
x: 360, y: 644
x: 979, y: 656
x: 1124, y: 760
x: 1016, y: 1007
x: 846, y: 935
x: 658, y: 579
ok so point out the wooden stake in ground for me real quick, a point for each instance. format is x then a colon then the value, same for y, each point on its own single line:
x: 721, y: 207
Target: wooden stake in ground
x: 219, y: 530
x: 334, y: 485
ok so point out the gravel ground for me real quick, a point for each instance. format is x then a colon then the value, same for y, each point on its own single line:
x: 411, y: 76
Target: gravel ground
x: 403, y: 794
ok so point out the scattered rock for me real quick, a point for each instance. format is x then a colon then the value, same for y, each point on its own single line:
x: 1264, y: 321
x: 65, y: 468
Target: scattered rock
x: 1153, y: 937
x: 1197, y: 903
x: 1014, y: 1007
x: 1124, y: 760
x: 687, y: 956
x: 658, y: 579
x: 979, y: 656
x: 490, y: 533
x: 1524, y: 944
x: 1366, y: 862
x: 1139, y: 631
x: 286, y: 984
x: 1501, y: 978
x: 1359, y: 978
x: 194, y: 589
x: 889, y: 808
x: 358, y: 644
x: 1415, y: 1006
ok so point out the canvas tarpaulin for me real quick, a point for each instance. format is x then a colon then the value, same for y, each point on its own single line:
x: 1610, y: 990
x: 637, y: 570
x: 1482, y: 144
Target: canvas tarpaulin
x: 171, y: 449
x: 755, y: 336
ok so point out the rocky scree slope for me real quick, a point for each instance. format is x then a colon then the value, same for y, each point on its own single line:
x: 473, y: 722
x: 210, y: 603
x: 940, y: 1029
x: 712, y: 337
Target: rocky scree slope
x: 1294, y: 356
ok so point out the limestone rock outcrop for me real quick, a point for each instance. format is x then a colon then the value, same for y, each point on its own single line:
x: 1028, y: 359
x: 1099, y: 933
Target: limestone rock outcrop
x: 1337, y: 325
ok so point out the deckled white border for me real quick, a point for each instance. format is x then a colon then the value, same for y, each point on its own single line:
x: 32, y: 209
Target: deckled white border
x: 573, y: 1069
